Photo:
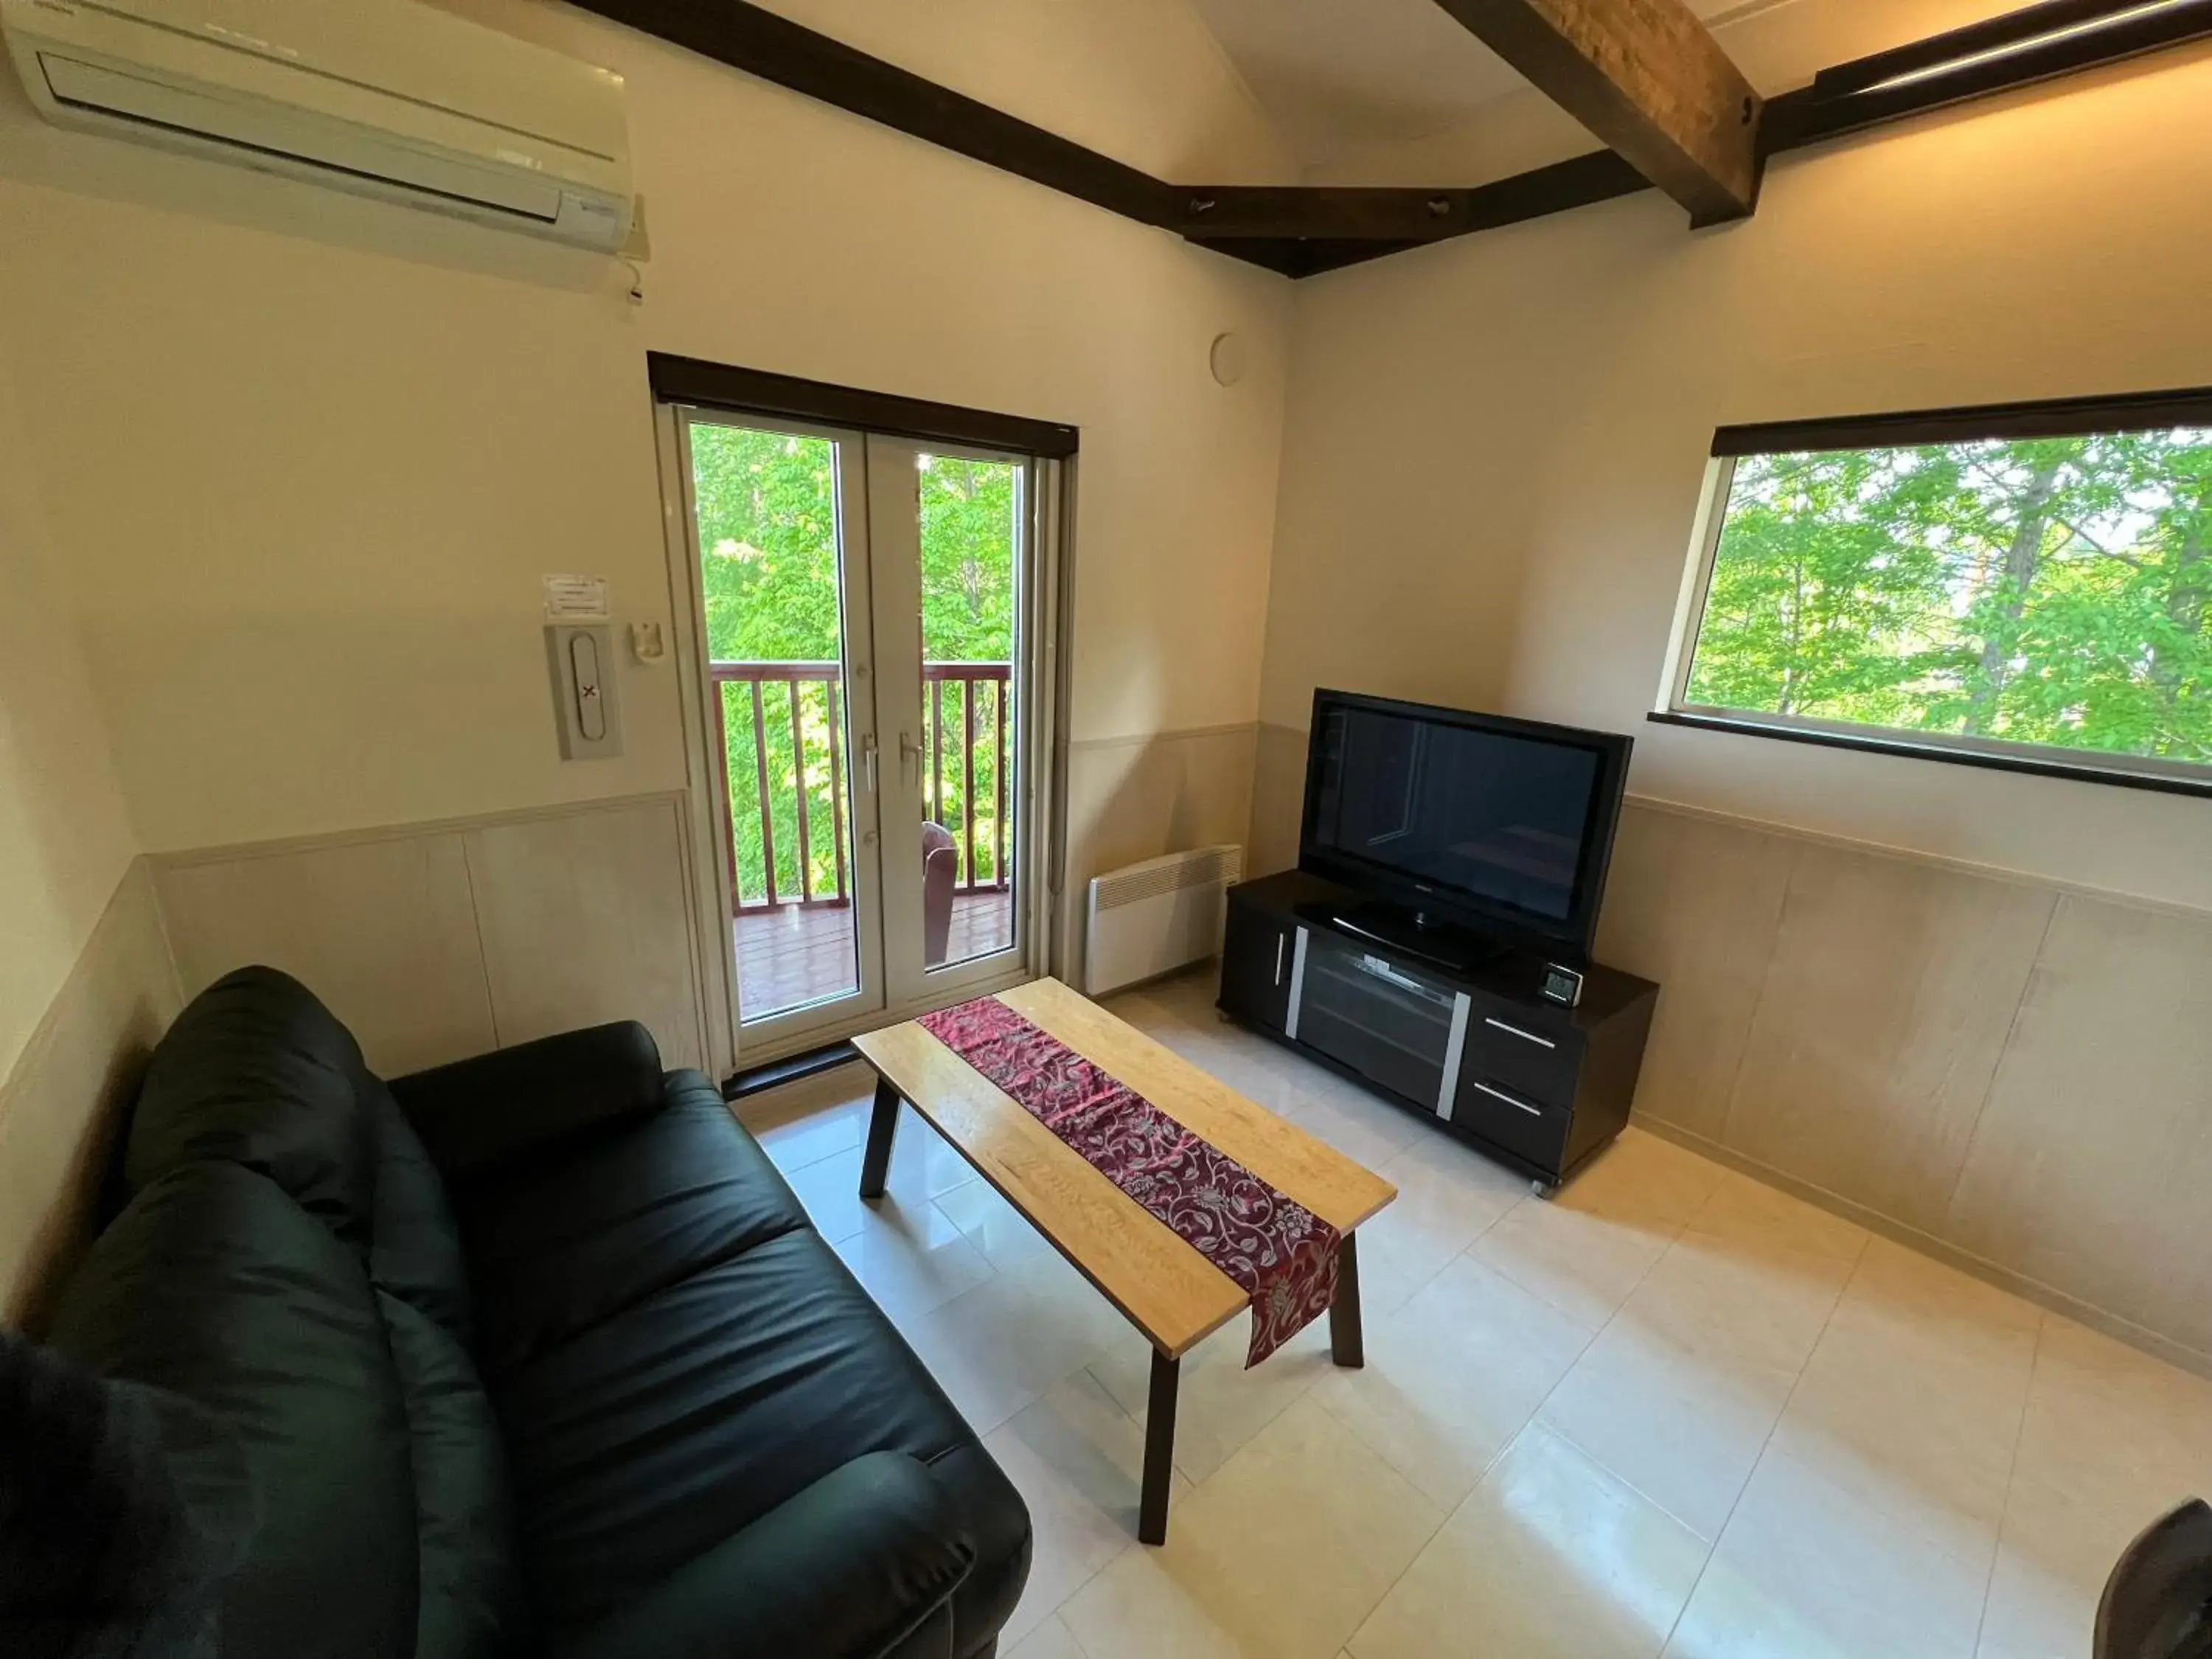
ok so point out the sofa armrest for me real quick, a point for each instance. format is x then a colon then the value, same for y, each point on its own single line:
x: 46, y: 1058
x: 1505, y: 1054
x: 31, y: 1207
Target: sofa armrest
x: 848, y: 1569
x: 476, y: 1115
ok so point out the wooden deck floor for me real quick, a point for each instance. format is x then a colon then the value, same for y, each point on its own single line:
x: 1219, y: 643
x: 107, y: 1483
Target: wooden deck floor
x: 787, y: 957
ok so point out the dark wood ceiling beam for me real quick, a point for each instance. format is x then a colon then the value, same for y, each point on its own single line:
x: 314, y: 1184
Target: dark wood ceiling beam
x: 1213, y: 213
x: 1649, y: 79
x: 1300, y: 232
x: 1405, y: 218
x: 762, y: 44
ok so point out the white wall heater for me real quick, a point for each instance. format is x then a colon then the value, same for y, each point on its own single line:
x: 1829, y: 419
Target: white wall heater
x: 1156, y: 916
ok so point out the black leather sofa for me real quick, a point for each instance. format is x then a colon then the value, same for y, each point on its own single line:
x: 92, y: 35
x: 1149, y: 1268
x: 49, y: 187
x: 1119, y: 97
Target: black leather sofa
x: 534, y: 1354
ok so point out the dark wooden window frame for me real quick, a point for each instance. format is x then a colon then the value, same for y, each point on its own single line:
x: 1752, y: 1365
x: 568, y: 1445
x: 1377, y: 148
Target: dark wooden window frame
x: 756, y: 392
x: 2055, y: 417
x: 1301, y: 232
x: 2048, y: 417
x: 1875, y: 744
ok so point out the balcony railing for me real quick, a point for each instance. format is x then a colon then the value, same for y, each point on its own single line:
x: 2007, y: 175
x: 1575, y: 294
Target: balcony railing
x: 783, y: 756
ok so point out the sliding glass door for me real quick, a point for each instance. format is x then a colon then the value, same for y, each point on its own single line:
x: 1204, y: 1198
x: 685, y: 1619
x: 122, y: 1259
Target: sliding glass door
x: 858, y: 665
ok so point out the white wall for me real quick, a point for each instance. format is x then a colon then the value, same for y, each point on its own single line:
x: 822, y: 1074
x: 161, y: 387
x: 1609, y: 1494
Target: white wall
x: 1494, y: 447
x: 307, y: 457
x: 85, y: 981
x: 64, y: 834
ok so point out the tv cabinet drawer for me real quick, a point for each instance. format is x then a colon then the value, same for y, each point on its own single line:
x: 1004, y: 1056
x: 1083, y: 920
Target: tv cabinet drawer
x: 1534, y: 1128
x: 1529, y: 1056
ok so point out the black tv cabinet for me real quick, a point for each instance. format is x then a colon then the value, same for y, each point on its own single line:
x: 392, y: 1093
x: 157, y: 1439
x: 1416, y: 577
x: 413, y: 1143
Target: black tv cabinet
x: 1459, y: 1037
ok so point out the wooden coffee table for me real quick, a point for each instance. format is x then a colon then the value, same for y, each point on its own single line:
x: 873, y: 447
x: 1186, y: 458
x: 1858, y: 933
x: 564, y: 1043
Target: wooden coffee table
x: 1161, y: 1284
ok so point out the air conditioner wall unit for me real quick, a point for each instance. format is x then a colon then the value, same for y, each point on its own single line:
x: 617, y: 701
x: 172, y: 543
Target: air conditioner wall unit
x: 383, y: 98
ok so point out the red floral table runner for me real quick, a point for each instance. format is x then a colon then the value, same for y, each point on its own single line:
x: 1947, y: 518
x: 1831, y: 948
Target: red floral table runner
x: 1271, y: 1246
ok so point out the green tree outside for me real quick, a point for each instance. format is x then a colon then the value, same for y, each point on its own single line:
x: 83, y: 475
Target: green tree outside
x: 2046, y: 591
x: 766, y: 505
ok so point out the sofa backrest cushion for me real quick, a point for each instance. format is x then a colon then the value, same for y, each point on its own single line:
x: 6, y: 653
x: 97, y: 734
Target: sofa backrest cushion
x: 257, y: 1072
x: 260, y: 1092
x: 216, y: 1284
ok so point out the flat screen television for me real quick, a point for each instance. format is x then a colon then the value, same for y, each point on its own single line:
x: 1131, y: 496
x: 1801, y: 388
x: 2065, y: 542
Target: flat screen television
x: 1460, y: 820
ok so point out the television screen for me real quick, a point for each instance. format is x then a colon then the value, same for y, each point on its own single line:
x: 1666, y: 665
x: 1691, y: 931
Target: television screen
x: 1471, y: 811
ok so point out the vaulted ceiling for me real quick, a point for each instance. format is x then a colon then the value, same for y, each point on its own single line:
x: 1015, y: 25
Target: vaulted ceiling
x: 1338, y: 76
x: 1342, y: 80
x: 1691, y: 97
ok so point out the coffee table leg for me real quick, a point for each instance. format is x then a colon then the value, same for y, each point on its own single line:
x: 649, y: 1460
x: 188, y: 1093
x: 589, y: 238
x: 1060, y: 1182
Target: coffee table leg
x: 1159, y: 1450
x: 1344, y: 1341
x: 883, y: 1123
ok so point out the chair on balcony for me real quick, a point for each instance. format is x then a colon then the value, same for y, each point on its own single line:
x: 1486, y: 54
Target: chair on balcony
x: 941, y: 871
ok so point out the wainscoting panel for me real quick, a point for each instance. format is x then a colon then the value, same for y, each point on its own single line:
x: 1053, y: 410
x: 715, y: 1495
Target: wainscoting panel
x: 384, y: 931
x: 584, y: 920
x: 60, y: 1105
x: 436, y: 941
x: 1884, y: 1009
x: 2014, y: 1077
x: 2093, y: 1163
x: 1696, y: 907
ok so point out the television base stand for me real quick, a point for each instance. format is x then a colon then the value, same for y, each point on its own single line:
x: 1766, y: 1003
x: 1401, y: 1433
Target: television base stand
x: 1440, y: 943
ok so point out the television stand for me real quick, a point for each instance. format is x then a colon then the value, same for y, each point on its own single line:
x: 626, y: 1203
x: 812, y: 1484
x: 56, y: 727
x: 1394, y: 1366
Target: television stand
x: 1450, y: 1026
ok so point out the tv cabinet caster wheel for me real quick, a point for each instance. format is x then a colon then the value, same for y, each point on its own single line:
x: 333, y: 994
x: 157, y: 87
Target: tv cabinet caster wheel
x: 1544, y: 1190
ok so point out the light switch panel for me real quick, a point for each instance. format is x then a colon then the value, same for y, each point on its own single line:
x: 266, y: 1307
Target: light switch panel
x: 586, y: 706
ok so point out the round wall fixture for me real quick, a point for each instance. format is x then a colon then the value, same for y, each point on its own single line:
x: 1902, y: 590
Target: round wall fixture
x: 1228, y: 358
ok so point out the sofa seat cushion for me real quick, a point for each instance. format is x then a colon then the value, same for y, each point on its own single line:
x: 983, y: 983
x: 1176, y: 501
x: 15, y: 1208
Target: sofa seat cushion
x: 560, y: 1244
x: 216, y: 1285
x: 865, y: 1561
x: 641, y: 1443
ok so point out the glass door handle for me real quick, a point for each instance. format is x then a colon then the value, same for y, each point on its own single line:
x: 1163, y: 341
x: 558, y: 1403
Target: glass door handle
x: 909, y: 749
x: 868, y: 754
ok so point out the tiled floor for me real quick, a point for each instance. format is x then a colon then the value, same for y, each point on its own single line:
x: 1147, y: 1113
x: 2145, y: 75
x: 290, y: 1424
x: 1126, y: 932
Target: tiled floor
x: 1674, y: 1412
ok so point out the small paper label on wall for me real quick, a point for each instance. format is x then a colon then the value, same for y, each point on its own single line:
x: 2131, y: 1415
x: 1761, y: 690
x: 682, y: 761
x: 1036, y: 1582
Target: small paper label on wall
x: 576, y: 598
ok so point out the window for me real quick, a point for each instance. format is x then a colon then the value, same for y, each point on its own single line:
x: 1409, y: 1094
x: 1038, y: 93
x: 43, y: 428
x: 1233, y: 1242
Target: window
x: 2028, y: 587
